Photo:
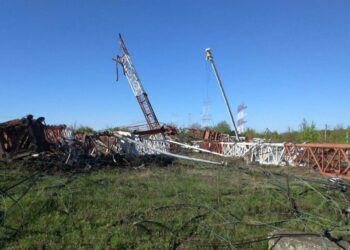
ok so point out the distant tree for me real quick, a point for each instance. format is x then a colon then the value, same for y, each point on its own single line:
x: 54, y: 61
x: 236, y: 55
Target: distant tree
x: 250, y: 133
x: 222, y: 127
x: 171, y: 124
x: 338, y: 134
x: 339, y: 127
x: 184, y: 135
x: 267, y: 133
x: 195, y: 126
x: 275, y: 136
x: 125, y: 129
x: 290, y: 135
x: 84, y: 129
x: 308, y: 131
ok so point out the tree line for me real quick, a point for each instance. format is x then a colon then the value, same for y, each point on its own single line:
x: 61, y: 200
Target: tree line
x: 307, y: 132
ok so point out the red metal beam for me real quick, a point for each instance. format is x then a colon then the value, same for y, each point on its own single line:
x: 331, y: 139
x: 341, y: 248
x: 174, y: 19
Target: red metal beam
x: 328, y: 158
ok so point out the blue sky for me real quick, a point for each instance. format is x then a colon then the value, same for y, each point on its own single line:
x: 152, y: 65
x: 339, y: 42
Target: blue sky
x: 286, y: 60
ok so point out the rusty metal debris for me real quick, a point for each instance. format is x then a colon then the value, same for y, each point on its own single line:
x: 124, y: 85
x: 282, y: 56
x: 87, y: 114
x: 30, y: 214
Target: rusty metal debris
x: 209, y: 135
x: 30, y: 138
x: 23, y: 137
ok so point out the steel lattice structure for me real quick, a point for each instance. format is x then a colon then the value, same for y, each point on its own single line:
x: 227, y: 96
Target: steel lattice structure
x: 331, y: 159
x: 328, y: 159
x: 136, y: 85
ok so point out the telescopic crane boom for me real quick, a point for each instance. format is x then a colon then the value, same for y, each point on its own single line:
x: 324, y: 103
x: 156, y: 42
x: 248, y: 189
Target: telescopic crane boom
x: 135, y: 83
x: 210, y: 58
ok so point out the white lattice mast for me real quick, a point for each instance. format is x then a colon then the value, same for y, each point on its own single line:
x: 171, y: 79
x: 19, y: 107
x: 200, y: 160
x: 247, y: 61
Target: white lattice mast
x: 206, y: 114
x: 241, y: 115
x: 130, y: 72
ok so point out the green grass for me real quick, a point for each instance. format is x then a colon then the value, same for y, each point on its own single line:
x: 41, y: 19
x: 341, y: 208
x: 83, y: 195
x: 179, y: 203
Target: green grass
x: 184, y: 206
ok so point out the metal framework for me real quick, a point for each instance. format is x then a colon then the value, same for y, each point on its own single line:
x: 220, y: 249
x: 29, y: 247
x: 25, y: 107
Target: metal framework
x: 241, y: 118
x: 332, y: 159
x: 136, y: 86
x: 329, y: 159
x: 233, y: 149
x: 269, y: 154
x: 260, y: 152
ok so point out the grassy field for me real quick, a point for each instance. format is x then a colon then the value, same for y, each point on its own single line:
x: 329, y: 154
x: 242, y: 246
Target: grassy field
x: 181, y: 206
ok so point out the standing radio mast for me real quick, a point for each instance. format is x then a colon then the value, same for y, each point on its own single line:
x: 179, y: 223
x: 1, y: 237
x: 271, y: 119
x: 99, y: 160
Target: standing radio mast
x: 241, y: 118
x: 206, y: 114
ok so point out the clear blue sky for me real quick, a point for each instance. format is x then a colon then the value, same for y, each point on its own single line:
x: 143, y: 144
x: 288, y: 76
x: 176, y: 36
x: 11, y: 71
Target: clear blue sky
x: 286, y: 60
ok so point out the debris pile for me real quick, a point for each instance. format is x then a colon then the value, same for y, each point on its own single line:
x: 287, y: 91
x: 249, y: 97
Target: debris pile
x: 29, y: 137
x: 26, y: 136
x: 210, y: 135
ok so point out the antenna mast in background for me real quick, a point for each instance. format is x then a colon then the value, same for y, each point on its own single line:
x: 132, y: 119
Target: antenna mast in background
x: 241, y: 121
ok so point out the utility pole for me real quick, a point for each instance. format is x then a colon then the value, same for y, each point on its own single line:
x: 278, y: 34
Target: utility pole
x: 325, y: 133
x: 210, y: 58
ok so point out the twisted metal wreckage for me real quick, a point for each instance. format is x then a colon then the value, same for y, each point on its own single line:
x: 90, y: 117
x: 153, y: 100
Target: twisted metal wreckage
x: 27, y: 137
x: 327, y: 158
